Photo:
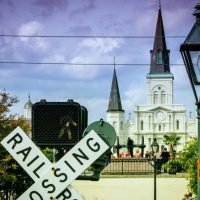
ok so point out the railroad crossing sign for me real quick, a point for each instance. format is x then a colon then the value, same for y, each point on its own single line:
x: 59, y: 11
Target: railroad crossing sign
x: 50, y: 179
x: 38, y: 165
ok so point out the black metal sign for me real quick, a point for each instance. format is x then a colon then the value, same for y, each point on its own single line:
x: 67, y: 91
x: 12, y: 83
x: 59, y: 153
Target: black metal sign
x: 58, y: 124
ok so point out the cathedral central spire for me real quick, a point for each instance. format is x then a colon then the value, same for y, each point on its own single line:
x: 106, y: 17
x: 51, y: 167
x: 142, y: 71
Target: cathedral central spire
x: 159, y: 54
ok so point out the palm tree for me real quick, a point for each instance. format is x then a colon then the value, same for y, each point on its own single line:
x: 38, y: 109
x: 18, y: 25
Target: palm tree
x: 172, y: 141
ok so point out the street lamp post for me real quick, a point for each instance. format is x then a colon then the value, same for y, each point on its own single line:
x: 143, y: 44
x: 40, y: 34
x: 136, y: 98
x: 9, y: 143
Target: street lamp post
x: 154, y: 147
x: 190, y: 51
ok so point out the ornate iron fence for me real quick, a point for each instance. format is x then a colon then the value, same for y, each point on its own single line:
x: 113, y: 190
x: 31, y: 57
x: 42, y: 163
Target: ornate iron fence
x: 130, y: 166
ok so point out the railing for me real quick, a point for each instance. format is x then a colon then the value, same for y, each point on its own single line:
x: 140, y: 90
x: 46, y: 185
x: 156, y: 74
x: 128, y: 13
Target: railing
x: 130, y: 166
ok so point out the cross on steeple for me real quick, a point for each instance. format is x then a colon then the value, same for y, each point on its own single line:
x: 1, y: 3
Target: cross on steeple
x: 29, y: 96
x: 159, y: 4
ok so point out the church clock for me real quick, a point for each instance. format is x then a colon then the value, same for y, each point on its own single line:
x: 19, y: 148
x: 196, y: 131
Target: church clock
x: 160, y: 116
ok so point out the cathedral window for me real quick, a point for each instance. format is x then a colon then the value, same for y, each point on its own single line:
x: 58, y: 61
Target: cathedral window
x: 159, y: 127
x: 141, y: 125
x: 159, y: 57
x: 155, y: 98
x: 170, y: 122
x: 177, y: 124
x: 149, y: 122
x: 121, y: 125
x: 163, y: 97
x: 114, y: 124
x: 164, y: 127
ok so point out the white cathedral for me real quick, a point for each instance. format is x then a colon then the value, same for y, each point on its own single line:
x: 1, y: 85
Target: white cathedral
x: 160, y: 116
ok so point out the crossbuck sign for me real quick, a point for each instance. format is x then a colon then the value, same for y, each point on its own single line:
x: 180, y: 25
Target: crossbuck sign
x: 52, y: 181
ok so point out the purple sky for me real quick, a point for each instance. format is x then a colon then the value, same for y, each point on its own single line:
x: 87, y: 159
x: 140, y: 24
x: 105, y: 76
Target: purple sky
x: 89, y: 85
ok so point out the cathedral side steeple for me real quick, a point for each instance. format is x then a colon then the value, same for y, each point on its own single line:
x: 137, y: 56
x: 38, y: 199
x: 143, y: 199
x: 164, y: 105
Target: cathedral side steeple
x: 115, y: 113
x: 160, y: 53
x: 114, y: 100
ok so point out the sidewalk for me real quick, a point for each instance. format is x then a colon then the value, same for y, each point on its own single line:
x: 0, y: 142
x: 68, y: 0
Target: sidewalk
x: 132, y: 188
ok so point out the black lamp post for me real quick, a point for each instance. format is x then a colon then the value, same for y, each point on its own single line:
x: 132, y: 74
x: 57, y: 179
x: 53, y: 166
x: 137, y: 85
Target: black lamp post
x: 154, y: 147
x: 190, y: 51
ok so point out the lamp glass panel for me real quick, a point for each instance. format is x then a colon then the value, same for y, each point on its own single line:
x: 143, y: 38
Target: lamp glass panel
x: 154, y: 147
x: 195, y: 58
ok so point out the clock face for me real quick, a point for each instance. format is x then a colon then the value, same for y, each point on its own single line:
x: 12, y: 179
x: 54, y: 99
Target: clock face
x: 160, y: 116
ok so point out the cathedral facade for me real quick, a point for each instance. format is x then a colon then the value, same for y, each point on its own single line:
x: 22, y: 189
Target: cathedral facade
x: 160, y: 116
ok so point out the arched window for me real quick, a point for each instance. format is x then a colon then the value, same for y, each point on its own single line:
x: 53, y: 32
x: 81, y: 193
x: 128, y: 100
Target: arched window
x: 149, y: 122
x: 155, y: 97
x: 159, y: 57
x: 163, y: 97
x: 177, y: 124
x: 114, y: 124
x: 159, y: 127
x: 121, y: 125
x: 141, y: 125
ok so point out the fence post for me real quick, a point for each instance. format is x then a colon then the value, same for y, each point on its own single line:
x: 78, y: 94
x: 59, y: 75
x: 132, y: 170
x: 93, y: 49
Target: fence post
x: 122, y: 166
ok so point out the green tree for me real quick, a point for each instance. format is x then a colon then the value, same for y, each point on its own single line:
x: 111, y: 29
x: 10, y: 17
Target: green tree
x: 188, y: 158
x: 48, y: 152
x: 13, y: 179
x: 172, y: 141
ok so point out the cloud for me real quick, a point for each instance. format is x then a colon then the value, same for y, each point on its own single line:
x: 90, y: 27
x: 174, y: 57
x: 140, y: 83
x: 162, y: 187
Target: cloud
x: 81, y: 72
x: 33, y: 28
x: 6, y: 74
x: 96, y: 108
x: 30, y: 28
x: 101, y: 46
x: 172, y: 24
x: 179, y: 4
x: 135, y: 94
x: 91, y: 84
x: 146, y: 24
x: 181, y: 80
x: 80, y: 29
x: 81, y: 7
x: 8, y: 3
x: 87, y: 51
x: 49, y: 6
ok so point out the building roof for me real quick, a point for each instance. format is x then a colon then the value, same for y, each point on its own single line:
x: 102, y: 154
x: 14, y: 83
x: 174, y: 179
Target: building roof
x: 159, y: 49
x: 114, y: 100
x: 28, y: 104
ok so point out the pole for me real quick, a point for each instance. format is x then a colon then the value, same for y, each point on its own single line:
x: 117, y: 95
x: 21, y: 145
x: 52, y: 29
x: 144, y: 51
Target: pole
x: 198, y: 139
x: 155, y: 177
